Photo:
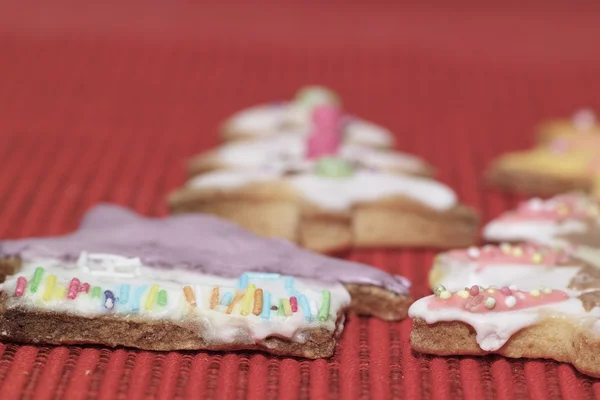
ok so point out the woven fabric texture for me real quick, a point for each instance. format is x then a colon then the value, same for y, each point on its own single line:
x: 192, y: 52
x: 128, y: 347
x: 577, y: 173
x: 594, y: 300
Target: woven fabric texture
x: 104, y: 102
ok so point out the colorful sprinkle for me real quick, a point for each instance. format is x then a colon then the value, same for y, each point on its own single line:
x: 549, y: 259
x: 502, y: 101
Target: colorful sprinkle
x: 109, y: 299
x: 258, y: 299
x: 333, y: 167
x: 85, y: 288
x: 247, y: 301
x: 151, y: 299
x: 439, y: 289
x: 287, y: 308
x: 266, y: 310
x: 37, y: 279
x: 189, y: 295
x: 214, y: 298
x: 325, y: 304
x: 314, y: 308
x: 506, y: 291
x: 96, y: 291
x: 162, y: 298
x: 49, y: 290
x: 445, y: 295
x: 289, y: 284
x: 227, y: 298
x: 244, y: 281
x: 238, y: 297
x: 280, y: 310
x: 73, y: 288
x: 474, y: 291
x: 490, y: 302
x: 124, y: 293
x: 21, y: 285
x: 305, y: 307
x: 137, y: 298
x: 294, y: 303
x: 510, y: 301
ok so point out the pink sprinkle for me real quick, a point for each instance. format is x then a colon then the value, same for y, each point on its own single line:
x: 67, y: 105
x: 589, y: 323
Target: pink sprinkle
x: 506, y: 291
x: 474, y: 291
x: 294, y: 304
x: 85, y: 288
x: 21, y: 285
x: 73, y: 288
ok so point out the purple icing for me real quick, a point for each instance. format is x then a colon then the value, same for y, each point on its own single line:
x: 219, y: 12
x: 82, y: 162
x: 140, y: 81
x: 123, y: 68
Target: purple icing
x: 196, y: 242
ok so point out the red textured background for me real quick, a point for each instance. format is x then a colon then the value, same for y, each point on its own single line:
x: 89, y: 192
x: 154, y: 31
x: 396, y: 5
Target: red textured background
x: 104, y: 102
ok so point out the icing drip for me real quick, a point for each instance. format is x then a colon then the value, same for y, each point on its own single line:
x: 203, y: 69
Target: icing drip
x: 195, y: 243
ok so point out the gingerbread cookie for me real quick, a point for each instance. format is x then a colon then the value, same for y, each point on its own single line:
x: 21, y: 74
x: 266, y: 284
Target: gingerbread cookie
x: 570, y: 221
x: 329, y: 202
x: 185, y: 282
x: 525, y: 265
x: 562, y: 162
x: 541, y: 323
x: 295, y: 118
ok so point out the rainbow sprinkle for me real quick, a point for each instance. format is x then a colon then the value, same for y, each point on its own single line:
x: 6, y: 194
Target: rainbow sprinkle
x: 289, y: 284
x: 261, y: 275
x: 37, y: 279
x: 280, y: 309
x: 325, y: 305
x: 294, y: 304
x: 59, y: 292
x: 258, y: 296
x: 85, y: 288
x: 49, y: 290
x: 162, y: 298
x: 247, y: 301
x: 244, y: 281
x: 287, y: 308
x: 151, y: 297
x: 137, y: 298
x: 189, y: 295
x: 96, y: 291
x: 124, y: 293
x: 227, y: 298
x: 305, y: 307
x: 266, y: 309
x: 21, y: 285
x: 109, y: 299
x: 73, y: 288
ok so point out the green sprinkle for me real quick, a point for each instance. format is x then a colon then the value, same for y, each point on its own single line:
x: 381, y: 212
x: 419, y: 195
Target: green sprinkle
x: 332, y: 167
x: 37, y: 278
x: 96, y: 291
x: 325, y: 304
x: 162, y: 298
x: 313, y: 96
x: 280, y: 310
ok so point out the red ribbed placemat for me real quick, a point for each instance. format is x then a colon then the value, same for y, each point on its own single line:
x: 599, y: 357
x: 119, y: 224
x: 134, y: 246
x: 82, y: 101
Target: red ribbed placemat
x: 105, y: 102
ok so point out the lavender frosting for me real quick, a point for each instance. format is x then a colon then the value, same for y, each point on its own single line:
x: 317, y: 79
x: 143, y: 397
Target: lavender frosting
x: 196, y: 242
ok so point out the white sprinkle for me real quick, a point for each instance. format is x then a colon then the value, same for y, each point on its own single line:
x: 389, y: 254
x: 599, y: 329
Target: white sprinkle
x: 510, y: 301
x: 473, y: 252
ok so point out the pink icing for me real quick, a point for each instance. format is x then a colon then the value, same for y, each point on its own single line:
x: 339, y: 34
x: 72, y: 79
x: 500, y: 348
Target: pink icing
x: 325, y: 138
x: 566, y: 206
x: 526, y: 254
x: 477, y: 304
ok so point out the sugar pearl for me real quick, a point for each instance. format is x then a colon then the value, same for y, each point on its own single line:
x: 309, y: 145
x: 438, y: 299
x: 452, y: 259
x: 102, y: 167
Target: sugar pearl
x: 490, y: 290
x: 505, y: 247
x: 506, y: 291
x: 463, y: 293
x: 536, y: 258
x: 439, y: 289
x: 535, y: 292
x: 474, y: 291
x: 445, y: 295
x: 545, y: 289
x: 490, y: 302
x: 517, y: 252
x: 510, y: 301
x: 473, y: 252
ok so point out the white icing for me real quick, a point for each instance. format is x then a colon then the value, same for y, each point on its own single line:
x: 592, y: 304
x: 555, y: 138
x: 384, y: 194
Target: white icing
x: 458, y: 274
x: 288, y: 152
x: 538, y: 231
x: 219, y: 327
x: 286, y: 117
x: 338, y: 193
x: 364, y: 186
x: 494, y: 329
x: 109, y: 265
